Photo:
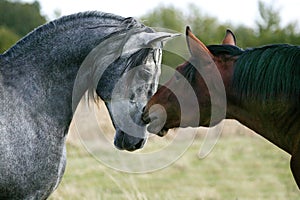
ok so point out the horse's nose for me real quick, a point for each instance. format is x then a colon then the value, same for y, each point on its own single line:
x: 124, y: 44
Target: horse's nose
x: 127, y: 142
x: 145, y: 116
x: 139, y: 145
x: 133, y: 145
x: 155, y: 116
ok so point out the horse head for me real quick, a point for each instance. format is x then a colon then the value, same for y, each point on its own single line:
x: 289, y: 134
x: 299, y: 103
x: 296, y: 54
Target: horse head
x: 129, y: 74
x: 202, y: 72
x: 254, y: 88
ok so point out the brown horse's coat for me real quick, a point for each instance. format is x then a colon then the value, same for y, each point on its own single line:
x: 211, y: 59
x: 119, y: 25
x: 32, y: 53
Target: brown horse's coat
x: 277, y: 120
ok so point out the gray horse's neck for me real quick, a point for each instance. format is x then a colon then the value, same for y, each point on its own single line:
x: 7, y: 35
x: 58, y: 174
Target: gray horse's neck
x: 41, y: 69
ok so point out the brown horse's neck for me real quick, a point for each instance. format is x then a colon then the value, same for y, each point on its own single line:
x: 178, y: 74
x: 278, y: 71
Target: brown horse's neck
x: 279, y: 124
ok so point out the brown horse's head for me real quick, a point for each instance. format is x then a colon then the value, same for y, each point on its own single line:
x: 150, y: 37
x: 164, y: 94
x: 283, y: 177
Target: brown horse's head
x: 192, y: 86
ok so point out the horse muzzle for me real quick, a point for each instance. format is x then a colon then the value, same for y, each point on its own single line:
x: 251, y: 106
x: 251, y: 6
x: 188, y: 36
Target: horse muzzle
x: 124, y: 141
x: 155, y: 117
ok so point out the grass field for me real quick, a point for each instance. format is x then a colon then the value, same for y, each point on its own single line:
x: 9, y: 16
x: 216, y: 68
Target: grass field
x: 241, y: 166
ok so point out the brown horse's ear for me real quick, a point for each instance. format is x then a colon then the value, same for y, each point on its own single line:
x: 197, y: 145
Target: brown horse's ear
x: 196, y: 47
x: 229, y: 38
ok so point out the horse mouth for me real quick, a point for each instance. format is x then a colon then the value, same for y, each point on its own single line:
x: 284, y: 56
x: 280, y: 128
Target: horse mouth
x: 156, y: 124
x: 123, y: 141
x: 162, y: 132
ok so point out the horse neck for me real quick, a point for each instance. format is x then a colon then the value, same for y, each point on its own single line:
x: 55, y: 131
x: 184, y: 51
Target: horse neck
x: 41, y: 69
x: 276, y: 122
x: 268, y: 104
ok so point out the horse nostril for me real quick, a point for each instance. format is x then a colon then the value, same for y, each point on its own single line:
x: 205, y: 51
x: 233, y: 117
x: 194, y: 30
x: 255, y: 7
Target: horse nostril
x: 145, y: 116
x: 139, y: 145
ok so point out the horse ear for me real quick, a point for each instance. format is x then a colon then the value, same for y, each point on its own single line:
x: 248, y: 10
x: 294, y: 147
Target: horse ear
x: 229, y: 38
x: 157, y: 37
x: 196, y: 47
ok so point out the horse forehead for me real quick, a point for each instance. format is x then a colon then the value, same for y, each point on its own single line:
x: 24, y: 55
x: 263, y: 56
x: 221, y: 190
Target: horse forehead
x: 224, y: 60
x: 152, y: 62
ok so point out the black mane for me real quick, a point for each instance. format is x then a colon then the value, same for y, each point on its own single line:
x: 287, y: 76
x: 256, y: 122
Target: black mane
x: 264, y: 73
x: 231, y: 50
x: 269, y: 73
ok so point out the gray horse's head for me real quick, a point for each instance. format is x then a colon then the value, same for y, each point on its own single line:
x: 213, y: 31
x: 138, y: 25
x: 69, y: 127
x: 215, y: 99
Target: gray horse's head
x: 129, y: 97
x: 129, y: 74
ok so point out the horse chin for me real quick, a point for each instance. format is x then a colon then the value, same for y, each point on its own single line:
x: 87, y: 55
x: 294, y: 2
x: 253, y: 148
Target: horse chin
x: 157, y: 127
x: 163, y: 132
x: 124, y: 141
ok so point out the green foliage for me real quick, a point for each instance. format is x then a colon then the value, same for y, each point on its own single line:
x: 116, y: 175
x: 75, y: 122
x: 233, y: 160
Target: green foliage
x: 18, y: 19
x: 7, y: 38
x: 165, y: 17
x: 21, y: 18
x: 269, y: 18
x: 202, y: 24
x: 269, y: 27
x: 267, y: 30
x: 173, y: 18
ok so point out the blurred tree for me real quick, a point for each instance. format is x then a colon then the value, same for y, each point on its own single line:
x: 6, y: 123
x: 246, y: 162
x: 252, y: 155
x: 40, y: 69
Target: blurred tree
x: 171, y: 18
x: 175, y: 19
x: 269, y: 18
x: 7, y: 38
x: 246, y: 37
x: 165, y: 17
x: 202, y: 24
x: 18, y: 18
x: 208, y: 29
x: 267, y: 30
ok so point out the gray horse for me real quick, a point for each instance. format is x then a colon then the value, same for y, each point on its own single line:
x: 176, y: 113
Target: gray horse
x: 37, y: 77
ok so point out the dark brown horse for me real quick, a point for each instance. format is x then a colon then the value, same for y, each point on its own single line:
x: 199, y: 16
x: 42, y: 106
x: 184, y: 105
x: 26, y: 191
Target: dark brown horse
x: 262, y: 88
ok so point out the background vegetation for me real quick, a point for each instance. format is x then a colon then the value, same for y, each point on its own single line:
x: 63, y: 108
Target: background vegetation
x: 16, y: 20
x: 267, y: 29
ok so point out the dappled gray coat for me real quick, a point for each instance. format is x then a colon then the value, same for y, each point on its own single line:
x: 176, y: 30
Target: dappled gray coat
x: 36, y: 81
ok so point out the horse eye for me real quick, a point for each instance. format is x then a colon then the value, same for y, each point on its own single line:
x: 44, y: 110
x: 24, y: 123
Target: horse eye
x: 150, y: 93
x: 144, y: 74
x: 152, y: 86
